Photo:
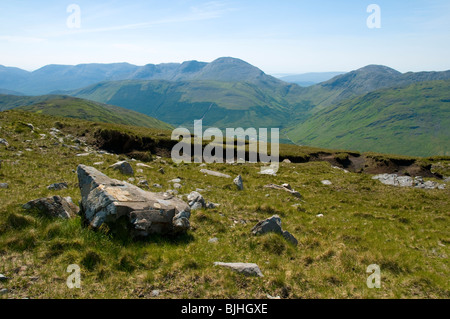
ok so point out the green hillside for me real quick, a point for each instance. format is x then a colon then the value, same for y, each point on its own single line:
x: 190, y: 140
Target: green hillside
x: 82, y: 109
x: 220, y: 104
x: 363, y: 222
x: 414, y: 120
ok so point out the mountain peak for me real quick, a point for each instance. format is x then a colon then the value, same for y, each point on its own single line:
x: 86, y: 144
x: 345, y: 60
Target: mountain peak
x: 374, y: 68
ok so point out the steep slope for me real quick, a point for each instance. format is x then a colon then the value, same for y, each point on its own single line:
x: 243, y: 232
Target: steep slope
x: 87, y: 110
x: 412, y: 120
x: 221, y: 104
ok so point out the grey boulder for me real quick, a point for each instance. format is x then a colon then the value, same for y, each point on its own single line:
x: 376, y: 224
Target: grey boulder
x: 196, y: 201
x: 124, y: 167
x: 4, y: 185
x: 56, y: 206
x: 273, y: 225
x: 239, y: 183
x: 270, y: 225
x: 105, y: 200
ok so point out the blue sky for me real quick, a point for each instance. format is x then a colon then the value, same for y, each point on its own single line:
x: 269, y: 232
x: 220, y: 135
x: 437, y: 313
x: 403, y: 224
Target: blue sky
x: 285, y: 36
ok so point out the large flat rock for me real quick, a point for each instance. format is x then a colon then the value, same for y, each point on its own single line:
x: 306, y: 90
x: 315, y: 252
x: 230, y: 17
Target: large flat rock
x: 105, y: 200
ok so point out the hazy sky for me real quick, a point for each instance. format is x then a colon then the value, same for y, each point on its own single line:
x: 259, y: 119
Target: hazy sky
x: 285, y: 36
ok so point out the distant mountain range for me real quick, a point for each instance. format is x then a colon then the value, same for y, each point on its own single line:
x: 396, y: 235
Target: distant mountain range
x: 229, y: 92
x: 54, y: 78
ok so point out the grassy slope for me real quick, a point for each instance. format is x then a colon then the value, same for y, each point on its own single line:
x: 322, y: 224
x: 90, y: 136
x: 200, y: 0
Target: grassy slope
x: 221, y: 104
x: 403, y: 230
x: 411, y: 121
x: 82, y: 109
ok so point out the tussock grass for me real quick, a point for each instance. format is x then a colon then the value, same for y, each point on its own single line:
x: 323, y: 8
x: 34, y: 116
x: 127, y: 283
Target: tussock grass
x: 404, y: 230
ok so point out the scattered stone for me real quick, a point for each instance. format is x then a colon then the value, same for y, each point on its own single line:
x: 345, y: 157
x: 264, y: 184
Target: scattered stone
x: 57, y: 186
x: 105, y: 200
x: 213, y: 240
x: 155, y: 293
x: 3, y: 277
x: 202, y: 165
x: 246, y: 269
x: 31, y: 126
x: 4, y: 142
x: 157, y: 186
x: 83, y: 154
x: 143, y: 183
x: 98, y: 163
x: 344, y: 170
x: 327, y: 182
x: 238, y: 182
x: 290, y: 238
x: 4, y: 186
x: 210, y: 205
x: 213, y: 173
x: 287, y: 161
x: 270, y: 297
x: 55, y: 206
x: 447, y: 180
x: 284, y: 187
x: 267, y: 195
x: 161, y: 170
x: 269, y: 171
x: 175, y: 180
x: 196, y: 201
x: 177, y: 186
x: 140, y: 171
x: 319, y: 215
x: 4, y: 291
x: 143, y: 165
x: 124, y: 167
x: 272, y: 224
x: 407, y: 181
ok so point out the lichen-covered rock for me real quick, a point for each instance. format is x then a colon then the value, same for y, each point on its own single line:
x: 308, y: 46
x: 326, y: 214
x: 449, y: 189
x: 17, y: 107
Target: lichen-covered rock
x: 105, y: 200
x: 55, y: 206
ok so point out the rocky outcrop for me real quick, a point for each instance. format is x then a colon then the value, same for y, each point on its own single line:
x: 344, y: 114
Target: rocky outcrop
x: 246, y: 269
x: 407, y: 181
x: 105, y: 200
x: 56, y: 206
